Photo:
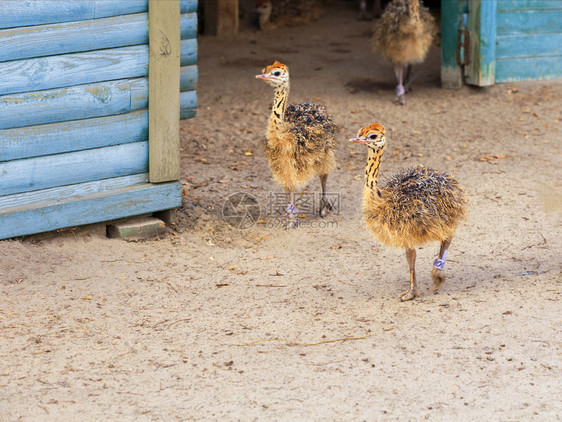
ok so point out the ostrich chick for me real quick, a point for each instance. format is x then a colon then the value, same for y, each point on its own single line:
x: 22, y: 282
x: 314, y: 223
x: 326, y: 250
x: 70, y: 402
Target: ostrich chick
x: 416, y: 206
x: 289, y: 14
x: 299, y: 141
x: 403, y: 36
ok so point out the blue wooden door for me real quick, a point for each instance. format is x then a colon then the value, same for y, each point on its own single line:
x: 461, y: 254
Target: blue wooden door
x: 491, y: 41
x: 528, y: 40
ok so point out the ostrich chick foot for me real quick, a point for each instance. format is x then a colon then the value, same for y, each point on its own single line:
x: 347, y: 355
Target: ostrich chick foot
x: 438, y: 278
x: 408, y: 295
x: 291, y: 214
x: 400, y: 94
x: 326, y: 206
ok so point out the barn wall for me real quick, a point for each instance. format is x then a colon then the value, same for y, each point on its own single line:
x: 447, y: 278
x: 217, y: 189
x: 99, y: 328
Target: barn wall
x: 74, y: 118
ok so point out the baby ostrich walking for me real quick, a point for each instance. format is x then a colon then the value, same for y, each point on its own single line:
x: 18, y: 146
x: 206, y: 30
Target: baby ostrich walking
x: 300, y: 141
x: 403, y: 36
x: 416, y: 206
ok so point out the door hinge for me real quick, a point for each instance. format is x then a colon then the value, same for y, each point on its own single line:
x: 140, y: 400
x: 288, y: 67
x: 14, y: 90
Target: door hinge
x: 463, y: 37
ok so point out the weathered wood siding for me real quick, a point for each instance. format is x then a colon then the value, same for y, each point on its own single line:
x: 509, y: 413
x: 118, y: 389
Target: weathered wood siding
x: 509, y: 40
x: 451, y: 21
x: 74, y: 110
x: 481, y: 66
x: 529, y: 40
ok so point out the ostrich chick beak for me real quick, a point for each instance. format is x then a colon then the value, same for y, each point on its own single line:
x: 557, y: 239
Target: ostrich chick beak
x: 263, y: 77
x: 358, y: 140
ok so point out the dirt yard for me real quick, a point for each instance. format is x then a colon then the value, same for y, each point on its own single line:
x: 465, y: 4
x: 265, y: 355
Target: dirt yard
x: 233, y: 319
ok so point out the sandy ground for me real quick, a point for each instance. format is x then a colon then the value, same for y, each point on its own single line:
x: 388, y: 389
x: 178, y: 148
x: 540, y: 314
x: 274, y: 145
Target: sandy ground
x: 213, y: 322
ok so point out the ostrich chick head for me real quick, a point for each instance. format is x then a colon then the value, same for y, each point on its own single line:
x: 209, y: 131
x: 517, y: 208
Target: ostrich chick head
x: 372, y: 136
x: 263, y: 7
x: 275, y: 75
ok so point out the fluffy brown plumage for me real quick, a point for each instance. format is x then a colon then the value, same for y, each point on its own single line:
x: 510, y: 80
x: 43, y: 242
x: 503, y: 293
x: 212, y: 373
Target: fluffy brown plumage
x: 299, y: 140
x: 419, y: 205
x: 415, y: 206
x: 403, y: 36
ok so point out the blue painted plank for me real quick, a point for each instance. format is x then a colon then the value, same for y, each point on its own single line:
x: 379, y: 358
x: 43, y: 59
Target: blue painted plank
x: 75, y: 167
x: 451, y: 71
x: 188, y: 77
x: 529, y: 22
x: 188, y: 6
x: 61, y: 192
x: 107, y: 8
x: 26, y: 13
x: 139, y: 93
x: 510, y: 70
x: 188, y: 99
x: 73, y: 37
x: 511, y: 5
x: 87, y: 209
x: 188, y: 104
x: 188, y: 113
x: 188, y: 25
x: 482, y: 26
x: 188, y: 52
x: 77, y: 135
x: 532, y: 45
x: 73, y: 69
x: 17, y: 13
x: 79, y: 102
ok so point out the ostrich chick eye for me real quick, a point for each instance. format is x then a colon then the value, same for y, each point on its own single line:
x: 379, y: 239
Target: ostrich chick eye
x: 277, y: 73
x: 372, y: 136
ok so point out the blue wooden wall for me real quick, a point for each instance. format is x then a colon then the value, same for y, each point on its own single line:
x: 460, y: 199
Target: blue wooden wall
x: 528, y: 40
x: 73, y: 112
x: 510, y: 40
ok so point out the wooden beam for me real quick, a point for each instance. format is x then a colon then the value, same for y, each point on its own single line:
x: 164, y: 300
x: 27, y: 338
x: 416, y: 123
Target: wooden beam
x: 61, y: 192
x: 77, y: 102
x: 510, y: 70
x: 529, y: 45
x: 55, y: 213
x: 188, y: 52
x: 529, y: 22
x: 510, y: 5
x: 41, y: 73
x: 41, y: 12
x: 164, y: 90
x: 482, y: 15
x: 73, y: 37
x: 74, y: 167
x: 221, y: 17
x: 188, y: 78
x: 76, y: 135
x: 451, y: 71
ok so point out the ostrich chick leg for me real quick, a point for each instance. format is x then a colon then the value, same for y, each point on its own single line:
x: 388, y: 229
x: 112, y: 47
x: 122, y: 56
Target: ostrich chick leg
x: 325, y: 204
x: 437, y: 273
x: 413, y: 291
x: 400, y: 90
x: 291, y: 212
x: 407, y: 81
